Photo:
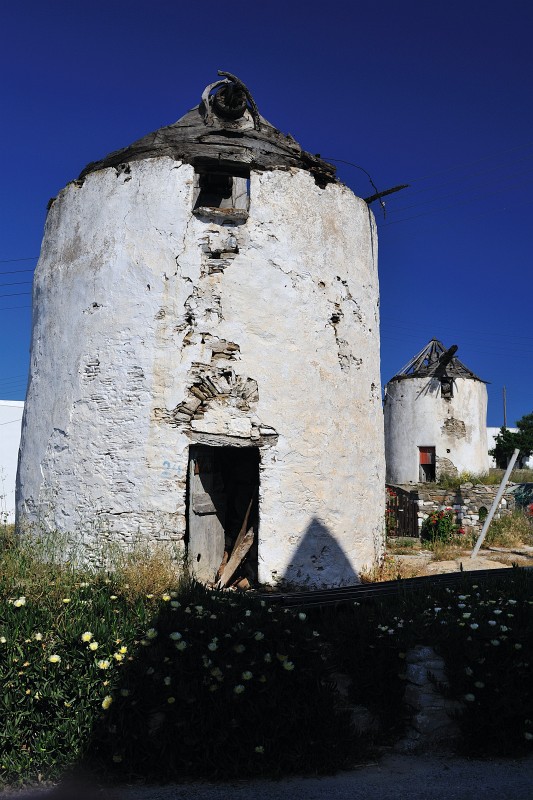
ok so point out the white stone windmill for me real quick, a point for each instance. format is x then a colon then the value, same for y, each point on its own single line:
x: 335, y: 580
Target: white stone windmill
x: 205, y: 354
x: 435, y: 418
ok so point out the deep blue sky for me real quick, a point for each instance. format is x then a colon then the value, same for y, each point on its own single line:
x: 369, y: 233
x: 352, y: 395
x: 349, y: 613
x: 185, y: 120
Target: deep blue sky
x: 430, y: 93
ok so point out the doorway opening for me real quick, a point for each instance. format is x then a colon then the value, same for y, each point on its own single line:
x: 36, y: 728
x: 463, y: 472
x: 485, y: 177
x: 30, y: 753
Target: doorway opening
x: 427, y: 463
x: 223, y: 514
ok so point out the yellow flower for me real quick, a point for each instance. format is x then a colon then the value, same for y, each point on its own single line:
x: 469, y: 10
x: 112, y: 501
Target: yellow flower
x: 54, y: 659
x: 87, y: 636
x: 38, y: 637
x: 171, y: 700
x: 20, y: 602
x: 106, y: 702
x: 104, y: 663
x: 165, y: 598
x: 66, y: 599
x: 118, y: 656
x: 123, y: 649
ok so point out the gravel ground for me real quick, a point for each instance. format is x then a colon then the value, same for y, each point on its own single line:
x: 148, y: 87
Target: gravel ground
x: 395, y: 777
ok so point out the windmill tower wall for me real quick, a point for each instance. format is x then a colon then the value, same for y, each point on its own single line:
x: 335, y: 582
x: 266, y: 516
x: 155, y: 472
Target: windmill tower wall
x: 166, y: 342
x: 443, y: 425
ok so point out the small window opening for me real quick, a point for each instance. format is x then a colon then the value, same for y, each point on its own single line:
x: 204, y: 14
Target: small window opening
x: 427, y: 462
x: 482, y: 513
x: 446, y: 387
x: 217, y: 188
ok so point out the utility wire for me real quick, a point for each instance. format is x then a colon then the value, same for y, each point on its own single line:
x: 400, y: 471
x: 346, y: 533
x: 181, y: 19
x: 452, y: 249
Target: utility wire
x: 12, y: 260
x: 15, y: 271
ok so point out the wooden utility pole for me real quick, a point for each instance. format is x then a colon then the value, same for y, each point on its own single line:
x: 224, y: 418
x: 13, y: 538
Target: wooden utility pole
x: 504, y: 408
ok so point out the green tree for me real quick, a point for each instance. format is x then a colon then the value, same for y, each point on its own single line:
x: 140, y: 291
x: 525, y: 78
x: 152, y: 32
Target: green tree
x: 506, y: 442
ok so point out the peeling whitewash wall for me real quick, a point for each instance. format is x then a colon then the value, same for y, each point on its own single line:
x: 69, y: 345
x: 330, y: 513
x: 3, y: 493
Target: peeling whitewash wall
x: 416, y: 415
x: 273, y: 321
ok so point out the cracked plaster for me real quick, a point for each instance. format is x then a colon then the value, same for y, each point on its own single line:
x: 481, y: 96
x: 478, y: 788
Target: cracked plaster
x: 192, y: 328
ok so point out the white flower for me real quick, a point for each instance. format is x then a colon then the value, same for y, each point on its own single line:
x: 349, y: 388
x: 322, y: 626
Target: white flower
x: 258, y: 636
x: 247, y: 613
x: 288, y: 665
x: 267, y: 657
x: 38, y: 637
x: 104, y: 663
x: 518, y: 646
x: 470, y: 697
x: 212, y: 646
x: 175, y: 604
x: 528, y: 736
x: 106, y: 702
x: 175, y: 636
x: 125, y: 692
x: 3, y: 640
x: 199, y: 609
x: 496, y: 611
x: 461, y: 605
x: 167, y: 680
x: 467, y: 615
x: 492, y: 622
x: 20, y: 602
x: 504, y: 628
x: 54, y: 658
x: 474, y: 626
x: 180, y: 645
x: 512, y: 602
x: 239, y: 689
x: 239, y: 648
x: 479, y: 685
x: 302, y: 616
x: 118, y: 656
x: 495, y: 642
x: 87, y: 636
x: 469, y: 671
x: 260, y: 749
x: 247, y: 675
x: 151, y: 633
x: 93, y: 646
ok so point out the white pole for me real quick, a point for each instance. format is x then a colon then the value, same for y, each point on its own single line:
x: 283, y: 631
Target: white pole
x: 495, y: 504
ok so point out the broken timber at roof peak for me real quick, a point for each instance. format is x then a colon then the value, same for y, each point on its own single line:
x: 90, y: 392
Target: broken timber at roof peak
x: 225, y: 130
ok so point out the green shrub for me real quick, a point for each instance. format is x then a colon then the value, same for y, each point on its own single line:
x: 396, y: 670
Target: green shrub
x: 440, y: 526
x: 224, y: 685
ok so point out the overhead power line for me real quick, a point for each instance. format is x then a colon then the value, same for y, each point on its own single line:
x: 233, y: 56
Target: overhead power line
x: 12, y: 260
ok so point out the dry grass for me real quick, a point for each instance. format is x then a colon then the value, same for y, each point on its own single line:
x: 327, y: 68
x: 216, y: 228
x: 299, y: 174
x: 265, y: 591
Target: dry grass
x: 149, y: 570
x: 510, y: 531
x: 391, y: 569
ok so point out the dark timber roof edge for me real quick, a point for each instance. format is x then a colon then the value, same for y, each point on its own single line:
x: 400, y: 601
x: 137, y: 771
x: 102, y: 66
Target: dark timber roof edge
x: 225, y: 142
x: 428, y: 364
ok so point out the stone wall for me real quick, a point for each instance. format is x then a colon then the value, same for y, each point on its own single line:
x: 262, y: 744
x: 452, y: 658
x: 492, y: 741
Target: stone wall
x: 466, y: 501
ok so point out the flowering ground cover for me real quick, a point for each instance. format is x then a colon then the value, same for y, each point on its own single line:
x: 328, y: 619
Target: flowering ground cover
x: 184, y: 681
